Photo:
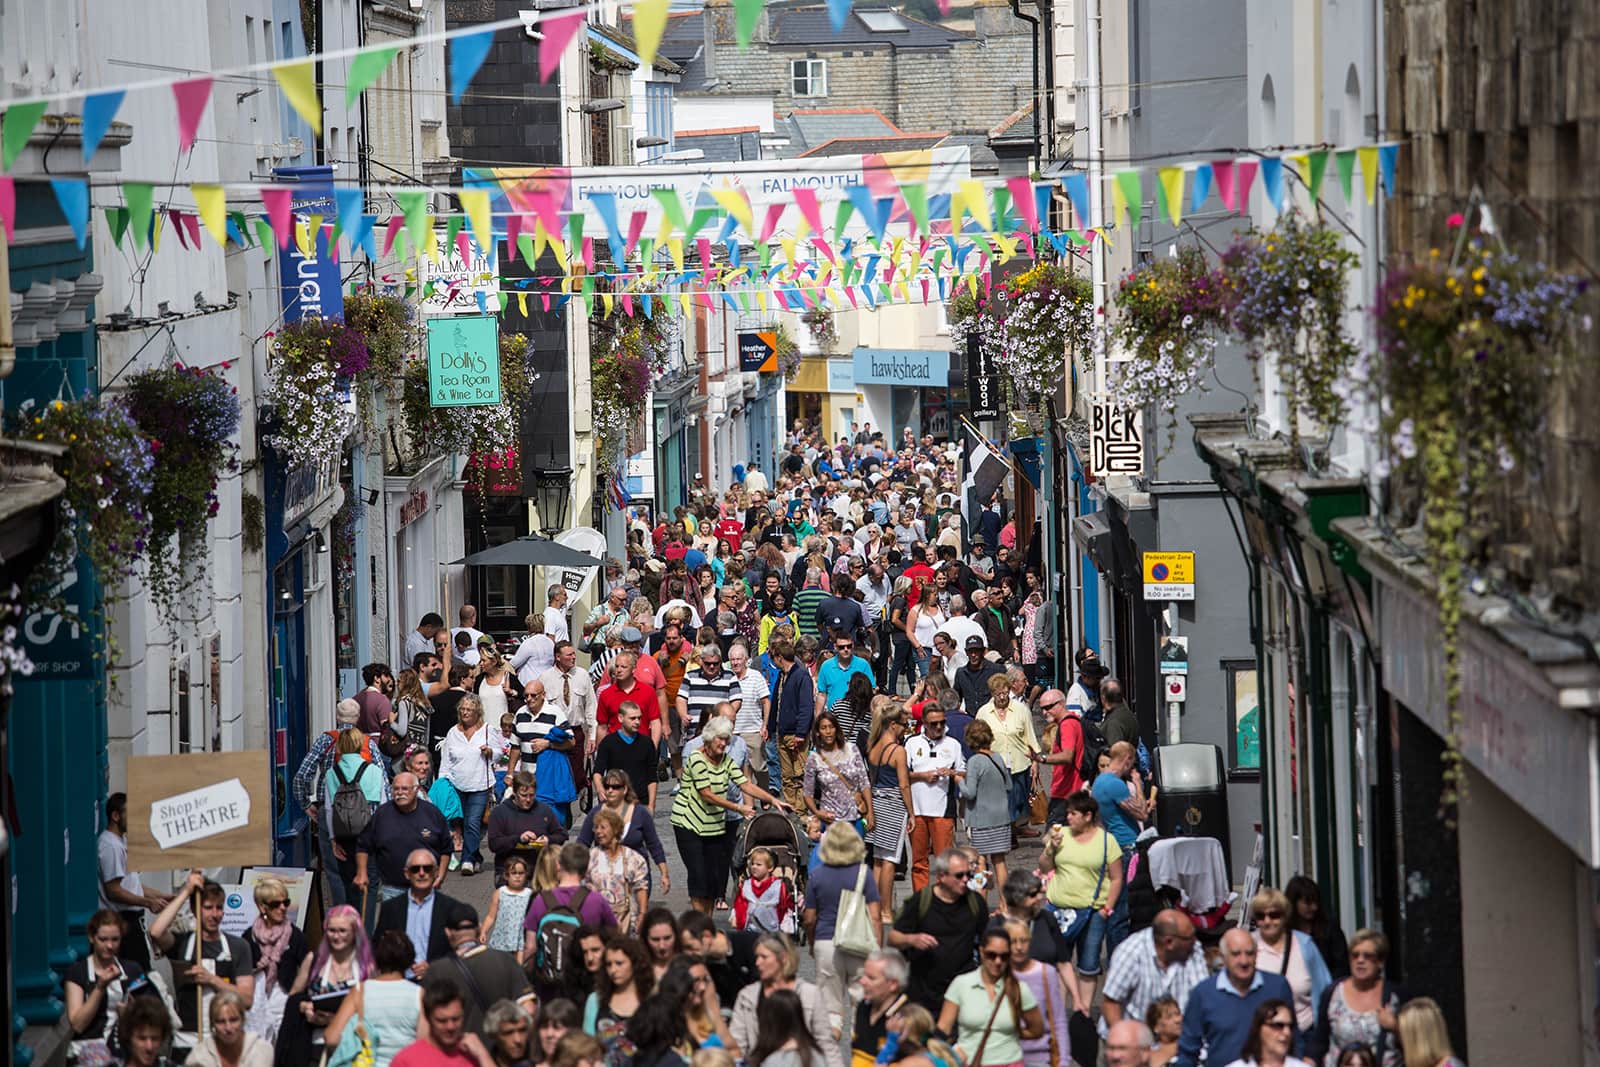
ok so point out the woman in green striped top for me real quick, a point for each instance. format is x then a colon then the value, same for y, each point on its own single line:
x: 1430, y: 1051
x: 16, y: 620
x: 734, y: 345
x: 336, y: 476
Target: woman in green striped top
x: 699, y: 822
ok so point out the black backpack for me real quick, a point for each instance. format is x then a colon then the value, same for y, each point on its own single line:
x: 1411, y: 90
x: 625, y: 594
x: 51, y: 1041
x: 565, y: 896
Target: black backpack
x: 1094, y: 743
x: 556, y: 937
x: 349, y: 813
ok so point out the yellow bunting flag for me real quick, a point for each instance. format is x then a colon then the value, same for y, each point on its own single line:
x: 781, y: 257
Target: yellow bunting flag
x: 761, y: 298
x: 211, y: 202
x: 1008, y: 248
x: 302, y: 239
x: 609, y: 301
x: 1119, y: 205
x: 675, y: 247
x: 683, y: 302
x: 475, y: 202
x: 977, y: 203
x: 737, y: 204
x: 1170, y: 180
x: 430, y: 245
x: 649, y: 23
x: 299, y: 84
x: 1367, y: 156
x: 522, y: 304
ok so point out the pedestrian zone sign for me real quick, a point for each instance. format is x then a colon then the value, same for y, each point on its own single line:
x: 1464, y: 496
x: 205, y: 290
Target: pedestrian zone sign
x: 1169, y: 575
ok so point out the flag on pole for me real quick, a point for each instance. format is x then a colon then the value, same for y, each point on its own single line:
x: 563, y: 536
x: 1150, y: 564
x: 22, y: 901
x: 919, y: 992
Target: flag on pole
x: 620, y: 497
x: 986, y: 470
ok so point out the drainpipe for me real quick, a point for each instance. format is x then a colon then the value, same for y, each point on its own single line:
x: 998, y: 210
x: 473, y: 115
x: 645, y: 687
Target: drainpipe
x: 1016, y: 12
x: 8, y: 347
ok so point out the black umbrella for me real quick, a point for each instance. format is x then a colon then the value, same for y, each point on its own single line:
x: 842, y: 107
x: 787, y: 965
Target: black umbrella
x: 531, y: 551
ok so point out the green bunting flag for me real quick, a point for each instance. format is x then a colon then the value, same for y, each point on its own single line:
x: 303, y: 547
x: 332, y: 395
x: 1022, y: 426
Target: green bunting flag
x: 746, y: 14
x: 139, y: 196
x: 16, y: 126
x: 1319, y: 168
x: 367, y: 67
x: 916, y: 198
x: 117, y: 223
x: 414, y: 206
x: 264, y: 236
x: 1127, y: 192
x: 1344, y: 161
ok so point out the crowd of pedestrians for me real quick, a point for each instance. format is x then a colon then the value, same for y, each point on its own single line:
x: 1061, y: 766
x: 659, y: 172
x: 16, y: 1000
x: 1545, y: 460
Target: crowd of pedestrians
x: 841, y: 689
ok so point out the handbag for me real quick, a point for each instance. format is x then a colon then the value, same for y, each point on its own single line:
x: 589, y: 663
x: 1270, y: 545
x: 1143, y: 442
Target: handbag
x: 1038, y: 808
x: 1073, y: 921
x: 999, y: 999
x: 852, y: 930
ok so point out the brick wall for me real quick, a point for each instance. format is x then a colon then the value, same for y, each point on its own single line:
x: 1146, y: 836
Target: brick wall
x: 1505, y: 97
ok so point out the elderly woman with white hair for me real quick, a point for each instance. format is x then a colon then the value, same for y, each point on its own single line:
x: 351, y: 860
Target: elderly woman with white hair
x: 842, y: 868
x: 465, y: 761
x: 700, y: 812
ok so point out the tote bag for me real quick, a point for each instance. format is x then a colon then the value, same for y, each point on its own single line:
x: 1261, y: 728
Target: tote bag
x: 852, y: 931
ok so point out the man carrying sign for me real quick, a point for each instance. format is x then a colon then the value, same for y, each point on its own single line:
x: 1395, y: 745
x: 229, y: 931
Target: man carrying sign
x: 221, y: 961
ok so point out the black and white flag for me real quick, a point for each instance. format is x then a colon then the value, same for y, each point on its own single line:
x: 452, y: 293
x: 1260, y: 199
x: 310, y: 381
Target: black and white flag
x: 986, y: 472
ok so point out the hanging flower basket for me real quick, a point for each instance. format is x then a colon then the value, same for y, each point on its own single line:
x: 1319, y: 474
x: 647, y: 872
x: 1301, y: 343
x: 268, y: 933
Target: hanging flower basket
x: 1169, y: 313
x: 820, y: 325
x: 314, y: 362
x: 1467, y: 356
x: 1046, y: 317
x: 468, y: 431
x: 110, y: 475
x: 388, y: 327
x: 1286, y: 295
x: 189, y: 416
x: 788, y: 354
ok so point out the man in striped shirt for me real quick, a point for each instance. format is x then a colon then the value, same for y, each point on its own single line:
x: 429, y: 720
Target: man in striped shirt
x: 807, y: 601
x: 703, y: 690
x: 757, y: 701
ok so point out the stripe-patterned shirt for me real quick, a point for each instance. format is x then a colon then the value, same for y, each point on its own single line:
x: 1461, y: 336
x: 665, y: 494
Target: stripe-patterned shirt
x: 704, y: 694
x: 692, y: 811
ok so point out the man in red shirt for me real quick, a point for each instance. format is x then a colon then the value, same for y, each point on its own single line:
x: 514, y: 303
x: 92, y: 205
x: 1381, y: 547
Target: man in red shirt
x: 731, y: 531
x: 919, y: 572
x: 1065, y: 731
x: 624, y: 686
x: 449, y: 1044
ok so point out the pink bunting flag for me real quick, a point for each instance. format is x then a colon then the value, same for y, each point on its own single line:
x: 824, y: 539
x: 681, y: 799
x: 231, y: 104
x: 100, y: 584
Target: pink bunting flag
x: 192, y: 224
x: 588, y: 254
x: 826, y: 249
x: 1027, y: 242
x: 463, y: 246
x: 191, y: 97
x: 391, y: 231
x: 277, y: 202
x: 806, y: 200
x: 774, y: 213
x: 513, y: 231
x: 850, y: 291
x: 1222, y: 173
x: 924, y: 291
x: 635, y: 228
x: 558, y: 32
x: 702, y: 247
x: 1246, y: 173
x: 327, y: 237
x: 627, y: 303
x: 544, y: 298
x: 944, y: 8
x: 705, y: 298
x: 1021, y: 188
x: 8, y: 205
x: 546, y: 209
x: 888, y: 270
x: 177, y: 226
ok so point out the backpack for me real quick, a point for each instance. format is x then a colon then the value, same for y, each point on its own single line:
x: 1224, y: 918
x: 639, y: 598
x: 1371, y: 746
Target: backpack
x: 1094, y: 743
x: 349, y: 813
x: 556, y: 936
x: 925, y: 901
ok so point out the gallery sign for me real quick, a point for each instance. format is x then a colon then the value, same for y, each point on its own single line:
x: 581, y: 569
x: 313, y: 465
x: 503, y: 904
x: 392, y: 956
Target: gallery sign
x: 983, y: 382
x: 463, y: 361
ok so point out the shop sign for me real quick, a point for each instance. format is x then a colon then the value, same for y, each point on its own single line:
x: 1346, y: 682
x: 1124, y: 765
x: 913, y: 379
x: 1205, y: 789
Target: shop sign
x: 505, y: 473
x: 1116, y: 440
x: 983, y: 383
x: 1169, y: 576
x: 460, y: 286
x: 463, y: 361
x: 413, y: 508
x: 310, y: 285
x: 841, y: 376
x: 210, y: 809
x: 924, y: 367
x: 60, y: 643
x: 304, y: 487
x: 758, y: 351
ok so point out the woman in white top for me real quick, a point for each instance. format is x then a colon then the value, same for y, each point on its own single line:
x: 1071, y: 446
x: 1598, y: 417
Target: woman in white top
x: 536, y: 653
x: 386, y: 1005
x: 497, y: 686
x: 925, y: 618
x: 1271, y: 1034
x: 466, y: 762
x: 229, y: 1044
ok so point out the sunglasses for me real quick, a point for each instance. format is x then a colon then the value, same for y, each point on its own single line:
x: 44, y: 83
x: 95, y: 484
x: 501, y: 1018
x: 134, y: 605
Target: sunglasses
x: 997, y: 955
x: 1278, y: 1024
x: 1052, y: 704
x: 1271, y: 915
x: 1364, y: 956
x: 284, y: 903
x: 612, y: 785
x: 420, y: 868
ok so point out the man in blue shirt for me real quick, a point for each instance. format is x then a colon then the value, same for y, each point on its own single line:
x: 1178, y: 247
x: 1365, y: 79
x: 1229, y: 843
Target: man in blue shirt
x: 1216, y: 1020
x: 833, y: 677
x: 1121, y: 810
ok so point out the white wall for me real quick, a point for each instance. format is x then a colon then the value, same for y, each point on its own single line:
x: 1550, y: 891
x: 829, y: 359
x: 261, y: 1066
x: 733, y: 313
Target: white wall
x: 723, y: 112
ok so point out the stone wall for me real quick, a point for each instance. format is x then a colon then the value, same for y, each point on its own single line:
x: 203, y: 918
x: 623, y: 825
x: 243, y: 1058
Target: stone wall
x: 1505, y: 98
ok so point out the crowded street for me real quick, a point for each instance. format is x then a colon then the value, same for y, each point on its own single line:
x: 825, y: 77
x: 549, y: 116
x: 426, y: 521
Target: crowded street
x: 783, y: 533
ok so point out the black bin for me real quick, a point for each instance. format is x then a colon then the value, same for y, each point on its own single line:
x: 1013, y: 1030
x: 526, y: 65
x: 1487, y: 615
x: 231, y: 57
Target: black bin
x: 1193, y: 801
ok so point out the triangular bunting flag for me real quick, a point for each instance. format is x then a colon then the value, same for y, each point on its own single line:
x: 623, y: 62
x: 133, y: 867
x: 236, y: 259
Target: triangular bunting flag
x: 1388, y: 156
x: 276, y: 200
x: 191, y: 96
x: 1316, y: 169
x: 838, y: 11
x: 366, y: 67
x: 746, y: 13
x: 1021, y: 190
x: 649, y: 23
x: 1344, y: 161
x: 1077, y: 187
x: 1169, y: 189
x: 915, y: 195
x: 8, y: 205
x: 414, y: 206
x: 1222, y: 170
x: 116, y: 218
x: 1368, y: 154
x: 297, y: 79
x: 467, y: 53
x: 16, y: 126
x: 98, y: 111
x: 1245, y: 173
x: 140, y: 197
x: 1272, y: 181
x: 73, y: 196
x: 212, y: 204
x: 264, y: 236
x: 558, y: 32
x: 1200, y: 187
x: 1127, y: 195
x: 349, y: 201
x: 475, y: 202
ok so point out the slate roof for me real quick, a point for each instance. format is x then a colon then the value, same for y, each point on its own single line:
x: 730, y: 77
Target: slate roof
x: 807, y: 129
x: 730, y: 144
x: 898, y: 142
x: 806, y: 25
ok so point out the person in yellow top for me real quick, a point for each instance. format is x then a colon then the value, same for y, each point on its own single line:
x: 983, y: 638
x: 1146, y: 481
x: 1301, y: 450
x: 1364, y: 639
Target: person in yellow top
x: 1015, y: 742
x: 1084, y: 891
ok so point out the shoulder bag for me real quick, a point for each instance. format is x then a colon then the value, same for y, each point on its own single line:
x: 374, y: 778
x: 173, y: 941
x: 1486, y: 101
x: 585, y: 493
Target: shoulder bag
x: 1049, y: 1014
x: 999, y: 999
x: 1073, y: 921
x: 852, y: 929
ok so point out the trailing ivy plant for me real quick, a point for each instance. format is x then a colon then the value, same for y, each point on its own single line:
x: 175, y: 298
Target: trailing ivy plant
x: 1169, y: 316
x: 1286, y: 295
x: 189, y: 415
x: 1467, y: 354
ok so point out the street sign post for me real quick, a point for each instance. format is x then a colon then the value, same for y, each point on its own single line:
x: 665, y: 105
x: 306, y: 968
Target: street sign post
x: 1169, y: 575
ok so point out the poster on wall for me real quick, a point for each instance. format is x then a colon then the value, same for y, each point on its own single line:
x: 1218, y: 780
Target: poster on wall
x: 207, y: 809
x: 1244, y: 718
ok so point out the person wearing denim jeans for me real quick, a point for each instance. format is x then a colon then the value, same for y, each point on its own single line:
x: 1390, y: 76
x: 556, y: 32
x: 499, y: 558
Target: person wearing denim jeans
x: 1087, y: 865
x: 465, y: 763
x: 1121, y: 809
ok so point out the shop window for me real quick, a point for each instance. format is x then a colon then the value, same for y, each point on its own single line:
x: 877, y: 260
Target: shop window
x: 1244, y: 719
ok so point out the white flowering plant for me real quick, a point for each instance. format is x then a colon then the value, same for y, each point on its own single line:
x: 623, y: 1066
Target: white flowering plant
x: 1045, y: 317
x: 1169, y: 313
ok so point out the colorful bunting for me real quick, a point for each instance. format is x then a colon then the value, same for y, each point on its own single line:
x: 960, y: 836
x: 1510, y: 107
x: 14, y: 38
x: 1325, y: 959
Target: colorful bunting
x: 366, y: 67
x: 191, y: 96
x: 8, y: 205
x: 839, y: 11
x: 1388, y: 156
x: 277, y: 201
x: 649, y: 23
x: 1169, y: 191
x: 1272, y: 181
x: 297, y: 79
x: 1077, y: 187
x: 1222, y: 170
x: 1245, y: 173
x: 475, y: 202
x: 98, y: 111
x: 16, y: 126
x: 140, y: 197
x: 746, y: 14
x: 1368, y: 155
x: 212, y: 204
x: 558, y: 31
x: 1127, y: 194
x: 1200, y: 188
x: 1345, y: 161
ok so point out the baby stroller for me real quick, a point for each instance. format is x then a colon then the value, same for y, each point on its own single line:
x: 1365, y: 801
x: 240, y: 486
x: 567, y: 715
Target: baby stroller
x: 774, y: 832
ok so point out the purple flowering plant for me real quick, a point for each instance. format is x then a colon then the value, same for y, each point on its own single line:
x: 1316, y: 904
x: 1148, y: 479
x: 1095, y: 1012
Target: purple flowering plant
x: 1169, y: 313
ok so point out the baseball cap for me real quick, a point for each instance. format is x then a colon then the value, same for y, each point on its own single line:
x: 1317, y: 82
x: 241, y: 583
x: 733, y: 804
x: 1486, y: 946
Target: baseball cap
x: 464, y: 917
x: 631, y: 635
x: 976, y: 642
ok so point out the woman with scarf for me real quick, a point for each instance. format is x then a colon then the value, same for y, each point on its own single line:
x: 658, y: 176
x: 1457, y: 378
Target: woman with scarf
x: 282, y: 958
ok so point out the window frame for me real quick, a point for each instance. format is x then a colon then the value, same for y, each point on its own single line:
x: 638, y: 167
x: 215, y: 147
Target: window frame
x: 815, y: 71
